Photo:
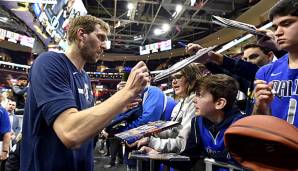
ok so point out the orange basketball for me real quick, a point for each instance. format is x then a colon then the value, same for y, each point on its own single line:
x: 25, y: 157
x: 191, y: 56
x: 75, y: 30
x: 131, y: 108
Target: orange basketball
x: 262, y: 142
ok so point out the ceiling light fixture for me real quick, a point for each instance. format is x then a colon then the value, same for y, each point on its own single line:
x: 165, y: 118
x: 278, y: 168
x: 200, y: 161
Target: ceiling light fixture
x: 157, y: 31
x: 178, y: 8
x: 192, y: 2
x: 130, y: 6
x: 139, y: 37
x: 165, y: 27
x: 174, y: 14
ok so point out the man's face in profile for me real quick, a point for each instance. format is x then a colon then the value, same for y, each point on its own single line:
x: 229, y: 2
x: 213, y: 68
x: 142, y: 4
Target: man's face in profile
x: 23, y: 82
x: 11, y: 106
x: 256, y: 56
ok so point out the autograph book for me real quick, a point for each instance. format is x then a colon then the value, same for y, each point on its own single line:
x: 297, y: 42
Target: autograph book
x: 149, y: 129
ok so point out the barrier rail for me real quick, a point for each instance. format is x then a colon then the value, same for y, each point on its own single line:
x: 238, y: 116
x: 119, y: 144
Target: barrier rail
x: 210, y: 162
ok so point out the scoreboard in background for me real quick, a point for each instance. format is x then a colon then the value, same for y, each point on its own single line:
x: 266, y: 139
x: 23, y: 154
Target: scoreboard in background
x: 16, y: 38
x: 55, y: 18
x: 156, y: 47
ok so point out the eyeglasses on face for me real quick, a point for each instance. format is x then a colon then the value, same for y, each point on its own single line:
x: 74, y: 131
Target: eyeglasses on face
x: 176, y: 77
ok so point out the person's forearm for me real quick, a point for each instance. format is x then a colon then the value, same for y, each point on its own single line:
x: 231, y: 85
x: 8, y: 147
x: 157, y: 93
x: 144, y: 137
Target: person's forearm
x: 241, y: 68
x: 261, y: 111
x: 6, y: 140
x: 169, y: 145
x: 217, y: 58
x: 166, y: 133
x: 75, y: 127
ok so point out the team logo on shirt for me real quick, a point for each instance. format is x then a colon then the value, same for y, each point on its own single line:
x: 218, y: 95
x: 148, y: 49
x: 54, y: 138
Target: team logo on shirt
x: 86, y: 91
x: 275, y: 74
x: 285, y: 88
x: 218, y: 153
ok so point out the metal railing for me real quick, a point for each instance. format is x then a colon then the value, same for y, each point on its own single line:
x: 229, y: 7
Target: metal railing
x: 211, y: 162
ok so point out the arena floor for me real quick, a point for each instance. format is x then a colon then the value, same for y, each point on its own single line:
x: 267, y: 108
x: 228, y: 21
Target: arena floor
x: 100, y: 160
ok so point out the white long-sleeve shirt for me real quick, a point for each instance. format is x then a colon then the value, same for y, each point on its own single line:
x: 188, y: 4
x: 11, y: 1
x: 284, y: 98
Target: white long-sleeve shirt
x: 174, y: 139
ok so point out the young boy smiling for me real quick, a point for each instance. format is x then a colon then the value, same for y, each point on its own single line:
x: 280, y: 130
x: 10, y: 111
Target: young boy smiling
x: 216, y: 111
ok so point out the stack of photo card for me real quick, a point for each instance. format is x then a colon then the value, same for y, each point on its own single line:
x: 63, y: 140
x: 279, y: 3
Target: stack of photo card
x: 198, y: 57
x: 236, y: 25
x: 149, y: 129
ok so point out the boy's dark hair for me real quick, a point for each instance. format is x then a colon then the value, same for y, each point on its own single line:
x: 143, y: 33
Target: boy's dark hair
x: 283, y: 8
x: 22, y: 77
x: 220, y: 86
x: 252, y: 45
x: 11, y: 99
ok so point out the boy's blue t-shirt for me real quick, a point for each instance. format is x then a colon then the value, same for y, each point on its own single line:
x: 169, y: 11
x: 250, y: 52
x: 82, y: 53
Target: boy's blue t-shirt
x: 55, y: 85
x: 4, y: 123
x: 285, y: 83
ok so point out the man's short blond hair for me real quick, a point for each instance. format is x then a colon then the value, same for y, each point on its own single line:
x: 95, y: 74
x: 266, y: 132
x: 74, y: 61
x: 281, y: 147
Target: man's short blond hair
x: 86, y: 22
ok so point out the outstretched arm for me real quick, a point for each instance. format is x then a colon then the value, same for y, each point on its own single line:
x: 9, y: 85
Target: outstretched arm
x: 74, y: 127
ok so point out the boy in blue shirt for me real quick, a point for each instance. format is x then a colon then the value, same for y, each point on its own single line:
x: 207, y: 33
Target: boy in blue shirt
x: 276, y: 90
x: 215, y: 112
